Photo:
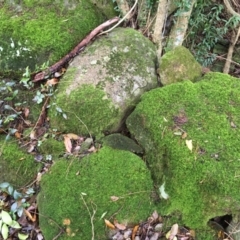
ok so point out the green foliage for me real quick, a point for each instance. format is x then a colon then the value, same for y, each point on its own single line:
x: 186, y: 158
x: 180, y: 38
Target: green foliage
x: 19, y: 199
x: 209, y: 24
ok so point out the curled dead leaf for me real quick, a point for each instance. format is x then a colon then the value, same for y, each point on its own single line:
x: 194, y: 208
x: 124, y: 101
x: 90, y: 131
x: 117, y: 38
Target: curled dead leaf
x: 119, y: 225
x: 171, y: 235
x: 72, y: 136
x: 109, y: 224
x: 135, y: 229
x: 52, y: 82
x: 114, y: 198
x: 68, y: 143
x: 29, y: 215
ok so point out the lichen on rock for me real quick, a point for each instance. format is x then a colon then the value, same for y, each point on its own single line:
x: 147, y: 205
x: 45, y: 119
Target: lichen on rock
x: 202, y: 183
x: 96, y: 178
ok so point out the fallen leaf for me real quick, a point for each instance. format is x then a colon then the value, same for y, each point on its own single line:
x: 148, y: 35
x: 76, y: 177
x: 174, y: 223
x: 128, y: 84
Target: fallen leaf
x: 155, y: 215
x: 17, y: 135
x: 189, y: 144
x: 29, y: 215
x: 109, y: 224
x: 72, y: 136
x: 26, y: 112
x: 68, y: 143
x: 135, y: 229
x: 184, y: 135
x: 52, y: 82
x: 66, y: 221
x: 114, y: 198
x: 171, y: 235
x: 119, y: 225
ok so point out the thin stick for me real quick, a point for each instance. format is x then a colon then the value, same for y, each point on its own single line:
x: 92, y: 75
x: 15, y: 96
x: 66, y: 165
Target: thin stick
x: 109, y: 30
x: 91, y: 216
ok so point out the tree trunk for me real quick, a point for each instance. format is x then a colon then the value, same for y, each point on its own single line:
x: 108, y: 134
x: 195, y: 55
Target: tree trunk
x: 179, y: 29
x: 159, y: 25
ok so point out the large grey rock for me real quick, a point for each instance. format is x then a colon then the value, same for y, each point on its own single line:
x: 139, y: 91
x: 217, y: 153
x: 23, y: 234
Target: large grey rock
x: 105, y: 82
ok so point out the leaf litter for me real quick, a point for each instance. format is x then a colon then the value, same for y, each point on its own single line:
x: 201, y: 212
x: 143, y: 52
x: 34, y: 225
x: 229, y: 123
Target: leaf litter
x: 152, y: 229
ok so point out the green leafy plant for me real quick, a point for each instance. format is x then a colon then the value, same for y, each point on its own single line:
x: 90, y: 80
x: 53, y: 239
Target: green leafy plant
x: 6, y: 221
x: 19, y: 199
x: 208, y: 22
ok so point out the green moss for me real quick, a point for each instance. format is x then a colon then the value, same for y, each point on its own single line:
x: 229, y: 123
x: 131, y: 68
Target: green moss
x: 47, y: 29
x: 52, y: 147
x: 178, y: 65
x: 118, y: 141
x: 16, y: 166
x: 92, y: 114
x: 201, y: 184
x: 101, y: 175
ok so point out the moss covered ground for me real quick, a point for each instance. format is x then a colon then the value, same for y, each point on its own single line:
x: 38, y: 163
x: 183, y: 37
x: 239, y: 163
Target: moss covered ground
x: 16, y: 166
x: 101, y: 175
x: 203, y: 182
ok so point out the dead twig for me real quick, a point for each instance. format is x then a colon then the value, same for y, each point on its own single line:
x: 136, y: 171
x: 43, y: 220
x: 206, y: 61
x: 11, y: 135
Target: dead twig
x: 91, y: 215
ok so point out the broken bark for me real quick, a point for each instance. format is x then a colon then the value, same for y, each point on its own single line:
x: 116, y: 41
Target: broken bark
x: 63, y: 61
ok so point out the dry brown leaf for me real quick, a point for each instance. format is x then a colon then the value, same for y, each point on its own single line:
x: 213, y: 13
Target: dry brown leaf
x: 52, y: 82
x: 135, y: 229
x: 184, y: 135
x: 119, y: 225
x: 68, y: 143
x: 29, y: 215
x: 66, y: 221
x: 114, y: 198
x: 26, y: 112
x: 109, y: 224
x: 72, y: 136
x: 189, y: 144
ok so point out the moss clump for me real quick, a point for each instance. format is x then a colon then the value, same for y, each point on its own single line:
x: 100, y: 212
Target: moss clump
x: 178, y: 65
x: 16, y: 167
x: 101, y: 175
x: 87, y: 108
x: 52, y: 147
x: 35, y: 32
x: 201, y: 183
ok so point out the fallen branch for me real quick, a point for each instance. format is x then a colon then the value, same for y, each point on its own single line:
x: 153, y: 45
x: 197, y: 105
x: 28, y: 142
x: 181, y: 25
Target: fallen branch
x: 57, y: 66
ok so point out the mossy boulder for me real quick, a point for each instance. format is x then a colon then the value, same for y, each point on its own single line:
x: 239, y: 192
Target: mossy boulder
x: 118, y: 141
x: 34, y: 32
x: 16, y: 166
x: 178, y: 65
x: 105, y: 82
x: 201, y: 182
x: 94, y: 179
